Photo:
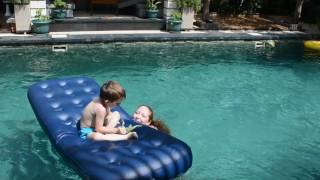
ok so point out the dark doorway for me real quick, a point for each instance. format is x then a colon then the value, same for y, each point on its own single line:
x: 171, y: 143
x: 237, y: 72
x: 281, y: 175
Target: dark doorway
x: 3, y: 26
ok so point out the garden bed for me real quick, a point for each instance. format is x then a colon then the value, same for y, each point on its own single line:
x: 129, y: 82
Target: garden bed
x: 245, y: 22
x: 252, y: 22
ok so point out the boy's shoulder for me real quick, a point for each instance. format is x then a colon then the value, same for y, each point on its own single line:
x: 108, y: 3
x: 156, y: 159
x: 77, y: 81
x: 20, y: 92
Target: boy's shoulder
x: 96, y: 102
x: 95, y: 106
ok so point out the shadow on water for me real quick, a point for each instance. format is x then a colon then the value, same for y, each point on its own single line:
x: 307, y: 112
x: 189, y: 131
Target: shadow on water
x: 28, y: 154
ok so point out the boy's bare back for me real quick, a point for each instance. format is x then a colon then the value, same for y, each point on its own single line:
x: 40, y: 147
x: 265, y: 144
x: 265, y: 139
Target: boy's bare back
x: 90, y: 113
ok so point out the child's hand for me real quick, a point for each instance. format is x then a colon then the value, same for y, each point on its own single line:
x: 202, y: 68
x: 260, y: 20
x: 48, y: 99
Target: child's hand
x: 122, y: 130
x: 133, y: 135
x: 131, y: 128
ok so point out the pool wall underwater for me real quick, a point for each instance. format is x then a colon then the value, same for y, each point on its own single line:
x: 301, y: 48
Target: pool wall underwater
x: 151, y: 36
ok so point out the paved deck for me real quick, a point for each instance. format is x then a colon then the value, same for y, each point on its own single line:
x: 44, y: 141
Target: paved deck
x: 8, y: 39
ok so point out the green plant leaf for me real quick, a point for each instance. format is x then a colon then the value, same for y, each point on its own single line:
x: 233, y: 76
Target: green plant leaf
x: 131, y: 128
x: 195, y: 4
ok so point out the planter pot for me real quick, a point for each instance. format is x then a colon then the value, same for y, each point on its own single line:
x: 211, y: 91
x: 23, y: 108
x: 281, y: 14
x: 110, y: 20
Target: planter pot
x: 59, y: 13
x: 187, y: 18
x: 152, y: 13
x: 40, y: 27
x: 174, y: 25
x: 22, y: 18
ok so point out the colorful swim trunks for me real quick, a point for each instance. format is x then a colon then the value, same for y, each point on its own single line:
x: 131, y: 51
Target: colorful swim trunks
x: 85, y: 132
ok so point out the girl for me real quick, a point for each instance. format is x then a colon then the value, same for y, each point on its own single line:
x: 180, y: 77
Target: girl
x: 144, y: 115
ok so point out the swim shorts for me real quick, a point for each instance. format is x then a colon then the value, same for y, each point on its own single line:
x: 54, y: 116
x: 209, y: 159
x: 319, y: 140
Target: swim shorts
x: 85, y: 132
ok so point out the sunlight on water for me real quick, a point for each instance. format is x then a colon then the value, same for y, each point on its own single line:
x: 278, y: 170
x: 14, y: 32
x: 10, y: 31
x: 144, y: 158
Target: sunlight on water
x: 246, y: 113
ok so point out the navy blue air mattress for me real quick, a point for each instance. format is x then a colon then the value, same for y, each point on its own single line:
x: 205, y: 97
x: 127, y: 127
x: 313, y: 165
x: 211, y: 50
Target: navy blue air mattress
x: 58, y: 104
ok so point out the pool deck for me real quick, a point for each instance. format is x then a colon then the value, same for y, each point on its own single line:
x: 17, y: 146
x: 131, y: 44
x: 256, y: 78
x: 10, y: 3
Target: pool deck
x: 9, y: 39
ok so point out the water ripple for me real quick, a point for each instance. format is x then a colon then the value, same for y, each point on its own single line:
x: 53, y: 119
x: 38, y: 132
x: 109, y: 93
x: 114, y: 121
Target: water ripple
x: 246, y: 113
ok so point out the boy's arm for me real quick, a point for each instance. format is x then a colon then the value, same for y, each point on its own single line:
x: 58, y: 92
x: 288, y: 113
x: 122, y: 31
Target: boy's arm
x: 100, y: 115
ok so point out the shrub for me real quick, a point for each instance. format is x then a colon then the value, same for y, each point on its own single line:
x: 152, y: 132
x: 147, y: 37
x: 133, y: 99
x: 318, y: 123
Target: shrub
x: 176, y: 16
x: 152, y: 4
x: 195, y: 4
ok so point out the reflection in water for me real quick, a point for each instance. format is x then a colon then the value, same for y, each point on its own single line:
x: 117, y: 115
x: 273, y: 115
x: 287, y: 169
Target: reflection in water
x: 312, y: 55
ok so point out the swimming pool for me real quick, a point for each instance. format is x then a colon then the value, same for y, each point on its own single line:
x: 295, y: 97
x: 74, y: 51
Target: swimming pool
x: 246, y: 113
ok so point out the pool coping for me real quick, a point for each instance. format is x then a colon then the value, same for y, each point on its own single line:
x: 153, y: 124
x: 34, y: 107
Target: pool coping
x: 78, y: 37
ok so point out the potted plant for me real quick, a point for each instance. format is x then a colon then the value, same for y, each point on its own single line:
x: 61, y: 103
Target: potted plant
x: 188, y: 8
x: 40, y: 23
x: 58, y: 9
x: 152, y: 8
x: 174, y: 22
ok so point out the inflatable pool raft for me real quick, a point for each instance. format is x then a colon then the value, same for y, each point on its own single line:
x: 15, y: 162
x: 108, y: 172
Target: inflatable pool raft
x: 58, y: 104
x: 312, y: 45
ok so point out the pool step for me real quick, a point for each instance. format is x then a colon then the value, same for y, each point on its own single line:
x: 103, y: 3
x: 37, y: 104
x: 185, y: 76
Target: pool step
x: 104, y: 24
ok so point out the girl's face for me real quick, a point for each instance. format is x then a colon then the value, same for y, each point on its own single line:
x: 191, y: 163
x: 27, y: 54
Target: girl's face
x: 142, y: 115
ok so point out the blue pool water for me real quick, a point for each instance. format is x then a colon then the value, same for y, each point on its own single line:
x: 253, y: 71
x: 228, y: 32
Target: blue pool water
x: 246, y: 113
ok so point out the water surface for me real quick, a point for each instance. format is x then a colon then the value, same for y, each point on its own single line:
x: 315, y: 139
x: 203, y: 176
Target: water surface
x: 246, y: 113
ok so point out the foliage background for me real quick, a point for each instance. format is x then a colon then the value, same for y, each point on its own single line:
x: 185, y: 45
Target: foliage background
x: 310, y: 11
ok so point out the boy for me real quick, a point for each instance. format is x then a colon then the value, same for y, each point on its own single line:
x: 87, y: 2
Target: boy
x: 98, y: 122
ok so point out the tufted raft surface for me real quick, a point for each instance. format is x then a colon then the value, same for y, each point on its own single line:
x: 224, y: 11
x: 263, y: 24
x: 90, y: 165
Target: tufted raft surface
x: 58, y: 104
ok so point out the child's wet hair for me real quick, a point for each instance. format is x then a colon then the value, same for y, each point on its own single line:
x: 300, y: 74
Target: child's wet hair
x: 160, y: 125
x: 112, y: 91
